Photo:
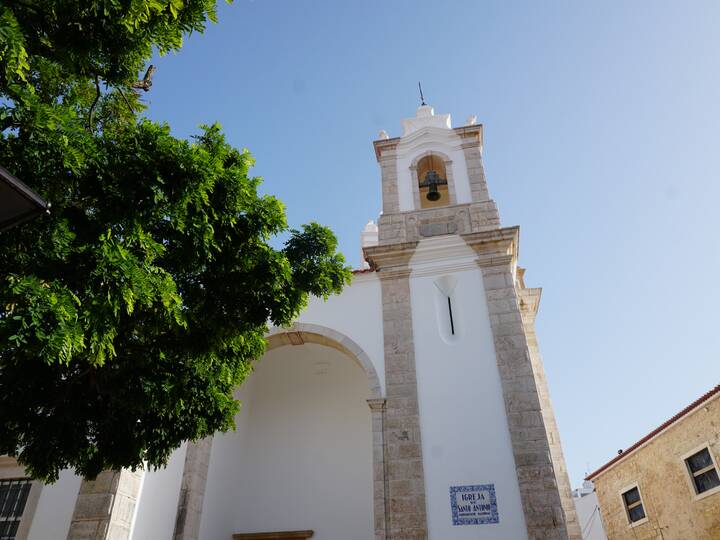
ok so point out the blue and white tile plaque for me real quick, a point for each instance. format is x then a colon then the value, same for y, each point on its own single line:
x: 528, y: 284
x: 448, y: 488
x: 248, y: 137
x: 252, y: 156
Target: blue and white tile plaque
x: 474, y: 505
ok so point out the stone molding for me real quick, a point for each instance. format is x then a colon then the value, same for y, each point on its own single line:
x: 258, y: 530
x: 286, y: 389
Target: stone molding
x: 105, y: 506
x: 390, y: 261
x: 300, y: 333
x: 192, y: 489
x: 381, y: 512
x: 401, y: 227
x: 496, y: 247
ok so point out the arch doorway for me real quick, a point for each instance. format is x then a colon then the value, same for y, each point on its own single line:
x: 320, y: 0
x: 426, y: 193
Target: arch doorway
x: 302, y: 455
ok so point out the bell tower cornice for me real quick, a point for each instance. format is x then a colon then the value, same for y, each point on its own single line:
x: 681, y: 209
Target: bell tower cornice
x: 497, y: 247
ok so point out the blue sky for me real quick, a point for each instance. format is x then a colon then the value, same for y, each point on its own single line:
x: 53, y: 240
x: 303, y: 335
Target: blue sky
x: 601, y: 141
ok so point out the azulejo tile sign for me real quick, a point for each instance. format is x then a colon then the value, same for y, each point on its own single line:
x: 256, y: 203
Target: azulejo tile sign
x: 474, y: 505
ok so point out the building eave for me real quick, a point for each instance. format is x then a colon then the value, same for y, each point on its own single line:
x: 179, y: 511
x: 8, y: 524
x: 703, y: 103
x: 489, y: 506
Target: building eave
x: 21, y: 203
x: 701, y: 401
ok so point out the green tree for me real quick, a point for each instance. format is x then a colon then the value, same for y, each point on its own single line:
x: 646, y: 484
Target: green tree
x: 131, y: 312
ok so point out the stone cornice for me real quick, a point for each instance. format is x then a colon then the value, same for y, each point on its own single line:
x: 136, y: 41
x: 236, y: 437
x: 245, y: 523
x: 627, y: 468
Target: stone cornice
x: 377, y: 405
x: 390, y: 260
x: 385, y: 145
x: 530, y: 302
x: 497, y: 247
x: 474, y: 132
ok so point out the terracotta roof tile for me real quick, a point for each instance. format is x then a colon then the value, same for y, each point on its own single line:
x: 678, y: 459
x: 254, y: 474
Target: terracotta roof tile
x: 657, y: 430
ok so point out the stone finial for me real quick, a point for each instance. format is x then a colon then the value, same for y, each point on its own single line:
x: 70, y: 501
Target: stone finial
x: 368, y: 237
x: 424, y: 111
x: 425, y: 117
x: 383, y: 135
x: 371, y: 226
x: 472, y: 120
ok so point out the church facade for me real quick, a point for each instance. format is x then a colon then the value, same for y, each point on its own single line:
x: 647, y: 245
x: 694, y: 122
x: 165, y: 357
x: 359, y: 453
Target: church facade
x: 414, y: 405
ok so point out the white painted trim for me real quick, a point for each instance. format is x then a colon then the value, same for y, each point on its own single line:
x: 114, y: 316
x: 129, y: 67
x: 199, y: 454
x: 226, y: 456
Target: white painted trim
x: 29, y: 511
x: 624, y: 490
x: 691, y: 479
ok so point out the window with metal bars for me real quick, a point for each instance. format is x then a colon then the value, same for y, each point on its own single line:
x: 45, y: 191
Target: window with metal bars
x: 13, y: 496
x: 703, y: 471
x: 633, y: 505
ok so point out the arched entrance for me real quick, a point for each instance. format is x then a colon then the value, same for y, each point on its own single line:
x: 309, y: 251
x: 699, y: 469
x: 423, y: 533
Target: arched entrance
x: 308, y: 452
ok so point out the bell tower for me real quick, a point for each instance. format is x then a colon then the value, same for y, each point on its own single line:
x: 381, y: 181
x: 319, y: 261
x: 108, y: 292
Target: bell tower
x: 468, y: 415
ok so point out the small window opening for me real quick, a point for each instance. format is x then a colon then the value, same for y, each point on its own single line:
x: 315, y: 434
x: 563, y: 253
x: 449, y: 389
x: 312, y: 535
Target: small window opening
x: 452, y: 322
x: 13, y: 496
x: 633, y: 505
x: 703, y: 471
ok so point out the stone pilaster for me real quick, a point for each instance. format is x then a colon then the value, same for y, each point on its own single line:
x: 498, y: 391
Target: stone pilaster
x: 192, y: 490
x: 545, y: 516
x: 472, y: 141
x: 403, y: 449
x: 529, y: 302
x: 380, y: 488
x: 105, y: 506
x: 476, y: 172
x: 388, y: 172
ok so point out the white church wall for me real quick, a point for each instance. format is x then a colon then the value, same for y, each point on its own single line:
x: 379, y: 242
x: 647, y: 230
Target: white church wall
x: 465, y: 438
x: 356, y: 313
x: 55, y: 508
x: 302, y: 455
x: 157, y: 507
x: 224, y: 479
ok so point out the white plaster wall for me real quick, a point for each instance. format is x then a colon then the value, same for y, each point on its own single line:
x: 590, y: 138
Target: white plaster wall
x: 225, y: 479
x: 465, y: 438
x: 55, y: 508
x: 356, y: 313
x: 302, y: 455
x: 588, y: 512
x: 157, y: 506
x: 438, y: 140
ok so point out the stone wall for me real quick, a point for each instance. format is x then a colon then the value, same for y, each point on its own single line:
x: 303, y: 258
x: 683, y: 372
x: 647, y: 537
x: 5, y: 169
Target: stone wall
x: 105, y: 506
x: 405, y: 481
x: 456, y: 219
x: 673, y: 510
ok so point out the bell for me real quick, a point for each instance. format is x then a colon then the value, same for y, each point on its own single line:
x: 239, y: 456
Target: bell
x: 432, y: 180
x: 433, y: 194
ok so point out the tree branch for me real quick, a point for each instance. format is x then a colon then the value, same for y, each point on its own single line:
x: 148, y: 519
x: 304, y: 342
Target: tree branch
x: 97, y: 98
x: 125, y: 99
x: 146, y: 82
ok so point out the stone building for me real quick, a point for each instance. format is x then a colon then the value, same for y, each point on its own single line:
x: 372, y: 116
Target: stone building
x: 414, y: 405
x: 666, y: 485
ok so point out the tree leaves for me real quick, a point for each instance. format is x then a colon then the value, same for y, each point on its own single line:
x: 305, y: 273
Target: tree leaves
x: 130, y: 314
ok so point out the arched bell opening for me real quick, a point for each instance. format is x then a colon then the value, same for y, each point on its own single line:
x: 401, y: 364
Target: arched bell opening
x: 432, y: 181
